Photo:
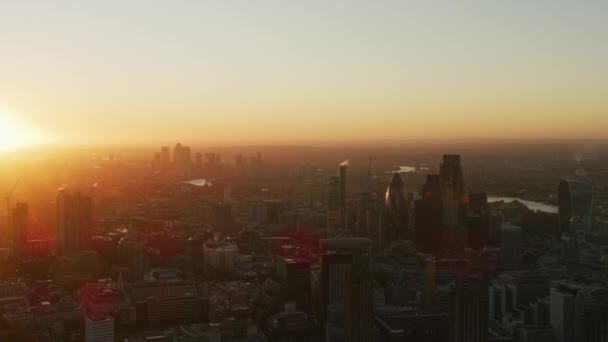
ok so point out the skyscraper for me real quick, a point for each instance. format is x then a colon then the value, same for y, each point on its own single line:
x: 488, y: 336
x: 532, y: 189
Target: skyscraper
x: 347, y: 288
x: 333, y: 206
x: 343, y: 196
x: 74, y: 221
x: 575, y: 201
x: 591, y: 314
x: 429, y: 215
x: 397, y: 209
x: 451, y: 175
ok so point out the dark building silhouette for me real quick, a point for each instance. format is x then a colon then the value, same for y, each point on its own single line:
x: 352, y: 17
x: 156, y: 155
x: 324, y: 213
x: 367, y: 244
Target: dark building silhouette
x: 451, y: 175
x: 165, y: 156
x: 74, y: 222
x: 468, y: 310
x: 575, y: 200
x: 333, y: 206
x: 346, y: 290
x: 397, y: 209
x: 429, y: 215
x: 343, y: 213
x: 591, y: 315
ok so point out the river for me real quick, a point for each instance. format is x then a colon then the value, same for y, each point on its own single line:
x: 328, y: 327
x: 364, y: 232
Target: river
x: 532, y: 205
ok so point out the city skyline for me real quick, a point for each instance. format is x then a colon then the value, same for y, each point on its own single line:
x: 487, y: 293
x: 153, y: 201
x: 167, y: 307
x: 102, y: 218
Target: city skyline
x: 281, y: 73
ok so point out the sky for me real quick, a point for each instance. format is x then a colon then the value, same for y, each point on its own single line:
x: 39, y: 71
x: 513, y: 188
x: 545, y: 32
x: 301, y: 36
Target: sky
x: 303, y: 71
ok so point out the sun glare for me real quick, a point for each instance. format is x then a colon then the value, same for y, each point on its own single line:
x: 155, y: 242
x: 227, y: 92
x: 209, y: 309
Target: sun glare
x: 15, y: 134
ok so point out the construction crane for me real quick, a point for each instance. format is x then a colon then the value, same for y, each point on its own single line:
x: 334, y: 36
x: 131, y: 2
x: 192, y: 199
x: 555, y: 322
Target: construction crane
x: 8, y: 204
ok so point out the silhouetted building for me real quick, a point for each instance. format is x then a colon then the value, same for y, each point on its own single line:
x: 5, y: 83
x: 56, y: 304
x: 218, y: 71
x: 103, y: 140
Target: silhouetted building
x: 132, y: 254
x: 575, y: 200
x: 451, y: 175
x: 591, y: 315
x: 411, y: 325
x: 333, y: 206
x: 74, y: 221
x: 346, y: 288
x: 429, y: 215
x: 468, y: 310
x: 562, y: 316
x: 397, y: 210
x: 343, y: 213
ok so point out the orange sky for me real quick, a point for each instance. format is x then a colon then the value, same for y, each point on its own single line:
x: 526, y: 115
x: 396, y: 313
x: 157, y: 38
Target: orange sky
x: 291, y: 72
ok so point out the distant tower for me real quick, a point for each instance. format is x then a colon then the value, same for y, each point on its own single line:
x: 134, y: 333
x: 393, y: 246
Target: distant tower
x: 429, y: 215
x: 333, y: 206
x: 397, y: 209
x: 19, y: 227
x: 132, y: 254
x: 343, y: 196
x: 74, y: 221
x: 347, y: 288
x: 575, y: 200
x: 451, y: 175
x: 178, y: 154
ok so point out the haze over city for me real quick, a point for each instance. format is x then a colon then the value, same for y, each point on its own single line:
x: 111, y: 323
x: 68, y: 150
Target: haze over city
x: 303, y: 171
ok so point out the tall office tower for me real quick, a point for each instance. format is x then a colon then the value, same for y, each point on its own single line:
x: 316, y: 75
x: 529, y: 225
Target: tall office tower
x: 591, y: 315
x: 397, y: 209
x: 18, y: 231
x: 364, y: 206
x: 479, y: 222
x: 178, y: 154
x: 165, y: 156
x: 562, y: 299
x: 575, y: 201
x: 132, y: 254
x: 343, y: 196
x: 451, y: 175
x: 333, y: 206
x: 468, y: 310
x: 429, y: 215
x: 347, y: 288
x: 74, y: 221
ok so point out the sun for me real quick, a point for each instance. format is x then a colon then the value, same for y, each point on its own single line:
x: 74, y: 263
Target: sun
x: 15, y: 133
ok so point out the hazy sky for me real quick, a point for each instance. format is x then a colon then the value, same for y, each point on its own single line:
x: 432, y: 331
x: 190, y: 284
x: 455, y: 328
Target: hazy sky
x: 299, y: 71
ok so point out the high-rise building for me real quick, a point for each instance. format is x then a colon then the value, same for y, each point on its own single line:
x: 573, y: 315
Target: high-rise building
x: 74, y: 221
x: 333, y: 206
x: 178, y: 154
x: 18, y: 231
x: 99, y: 330
x: 343, y: 214
x: 468, y: 310
x: 132, y: 254
x: 451, y: 175
x: 591, y: 314
x: 562, y: 299
x: 575, y: 202
x: 397, y: 209
x: 346, y: 299
x: 199, y: 160
x: 429, y: 215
